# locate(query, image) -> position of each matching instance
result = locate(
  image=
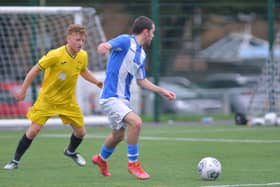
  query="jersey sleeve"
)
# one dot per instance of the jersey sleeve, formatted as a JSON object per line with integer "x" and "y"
{"x": 120, "y": 42}
{"x": 47, "y": 60}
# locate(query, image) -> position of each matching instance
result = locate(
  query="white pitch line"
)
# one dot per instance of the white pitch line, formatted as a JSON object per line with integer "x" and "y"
{"x": 209, "y": 140}
{"x": 152, "y": 138}
{"x": 188, "y": 131}
{"x": 243, "y": 185}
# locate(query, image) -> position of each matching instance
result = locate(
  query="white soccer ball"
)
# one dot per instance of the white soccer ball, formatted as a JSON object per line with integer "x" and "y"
{"x": 209, "y": 168}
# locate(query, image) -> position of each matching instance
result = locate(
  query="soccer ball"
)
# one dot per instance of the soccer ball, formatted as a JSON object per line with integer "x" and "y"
{"x": 209, "y": 168}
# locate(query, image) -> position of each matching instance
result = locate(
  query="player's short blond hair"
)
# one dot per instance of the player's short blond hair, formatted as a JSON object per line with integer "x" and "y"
{"x": 76, "y": 28}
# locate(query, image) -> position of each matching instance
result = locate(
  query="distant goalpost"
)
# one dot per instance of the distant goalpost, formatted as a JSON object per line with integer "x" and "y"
{"x": 264, "y": 107}
{"x": 27, "y": 33}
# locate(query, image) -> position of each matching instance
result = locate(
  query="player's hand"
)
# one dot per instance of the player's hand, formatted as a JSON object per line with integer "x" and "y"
{"x": 20, "y": 95}
{"x": 99, "y": 84}
{"x": 169, "y": 94}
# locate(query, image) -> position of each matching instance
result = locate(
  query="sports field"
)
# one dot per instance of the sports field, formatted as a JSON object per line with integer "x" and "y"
{"x": 170, "y": 153}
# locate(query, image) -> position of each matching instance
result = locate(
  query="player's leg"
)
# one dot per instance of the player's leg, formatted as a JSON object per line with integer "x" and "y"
{"x": 75, "y": 119}
{"x": 38, "y": 116}
{"x": 111, "y": 142}
{"x": 134, "y": 124}
{"x": 75, "y": 140}
{"x": 23, "y": 145}
{"x": 116, "y": 109}
{"x": 76, "y": 137}
{"x": 107, "y": 149}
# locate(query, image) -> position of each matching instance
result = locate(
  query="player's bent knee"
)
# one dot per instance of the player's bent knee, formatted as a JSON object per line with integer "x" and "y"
{"x": 137, "y": 124}
{"x": 79, "y": 132}
{"x": 32, "y": 133}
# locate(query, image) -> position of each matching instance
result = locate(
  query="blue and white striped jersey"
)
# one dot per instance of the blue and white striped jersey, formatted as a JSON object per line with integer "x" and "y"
{"x": 127, "y": 60}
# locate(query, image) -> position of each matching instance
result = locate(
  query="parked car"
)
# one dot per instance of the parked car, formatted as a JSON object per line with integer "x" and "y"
{"x": 9, "y": 107}
{"x": 182, "y": 81}
{"x": 238, "y": 48}
{"x": 188, "y": 101}
{"x": 237, "y": 91}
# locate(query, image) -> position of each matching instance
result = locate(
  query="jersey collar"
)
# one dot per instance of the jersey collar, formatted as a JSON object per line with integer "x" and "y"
{"x": 70, "y": 53}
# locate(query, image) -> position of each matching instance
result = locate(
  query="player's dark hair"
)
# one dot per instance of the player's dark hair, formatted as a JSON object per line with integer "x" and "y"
{"x": 141, "y": 23}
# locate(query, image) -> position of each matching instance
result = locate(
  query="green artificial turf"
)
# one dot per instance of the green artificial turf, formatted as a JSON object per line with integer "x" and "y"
{"x": 249, "y": 156}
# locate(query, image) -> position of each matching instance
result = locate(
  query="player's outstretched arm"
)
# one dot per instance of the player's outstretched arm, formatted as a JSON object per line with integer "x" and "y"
{"x": 20, "y": 95}
{"x": 145, "y": 83}
{"x": 87, "y": 75}
{"x": 103, "y": 48}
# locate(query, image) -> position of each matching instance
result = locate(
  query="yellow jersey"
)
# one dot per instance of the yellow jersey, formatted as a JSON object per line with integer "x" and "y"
{"x": 61, "y": 71}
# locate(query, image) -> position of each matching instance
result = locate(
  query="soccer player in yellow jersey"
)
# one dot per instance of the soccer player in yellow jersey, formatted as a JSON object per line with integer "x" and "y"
{"x": 57, "y": 97}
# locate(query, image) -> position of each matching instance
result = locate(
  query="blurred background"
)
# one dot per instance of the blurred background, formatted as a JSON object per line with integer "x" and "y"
{"x": 211, "y": 53}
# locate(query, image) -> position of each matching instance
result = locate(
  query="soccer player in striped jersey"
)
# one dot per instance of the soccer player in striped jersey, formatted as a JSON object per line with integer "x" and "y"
{"x": 127, "y": 61}
{"x": 57, "y": 96}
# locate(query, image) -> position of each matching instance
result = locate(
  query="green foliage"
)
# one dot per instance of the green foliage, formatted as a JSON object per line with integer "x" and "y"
{"x": 169, "y": 153}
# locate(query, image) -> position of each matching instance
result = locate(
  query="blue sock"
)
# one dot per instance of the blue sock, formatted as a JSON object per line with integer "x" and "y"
{"x": 132, "y": 152}
{"x": 106, "y": 152}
